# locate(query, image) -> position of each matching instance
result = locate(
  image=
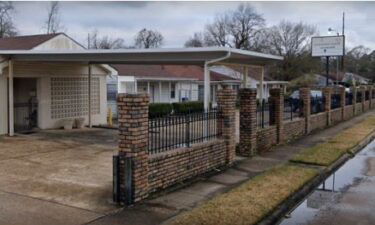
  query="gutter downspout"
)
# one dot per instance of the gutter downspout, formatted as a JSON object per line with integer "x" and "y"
{"x": 207, "y": 86}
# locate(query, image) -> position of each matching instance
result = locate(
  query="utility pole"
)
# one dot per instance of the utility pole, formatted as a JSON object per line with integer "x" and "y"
{"x": 327, "y": 70}
{"x": 343, "y": 34}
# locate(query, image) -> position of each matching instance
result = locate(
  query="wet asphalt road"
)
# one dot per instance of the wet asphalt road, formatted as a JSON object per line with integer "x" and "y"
{"x": 346, "y": 198}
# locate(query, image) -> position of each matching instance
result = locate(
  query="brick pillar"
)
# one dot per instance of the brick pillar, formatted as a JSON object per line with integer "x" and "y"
{"x": 227, "y": 107}
{"x": 277, "y": 115}
{"x": 327, "y": 93}
{"x": 305, "y": 96}
{"x": 248, "y": 122}
{"x": 342, "y": 101}
{"x": 354, "y": 93}
{"x": 133, "y": 141}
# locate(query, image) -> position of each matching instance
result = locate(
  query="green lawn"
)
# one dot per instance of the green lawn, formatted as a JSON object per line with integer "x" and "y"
{"x": 327, "y": 153}
{"x": 250, "y": 202}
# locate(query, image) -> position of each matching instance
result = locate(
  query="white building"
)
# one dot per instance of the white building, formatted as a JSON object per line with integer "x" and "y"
{"x": 46, "y": 93}
{"x": 165, "y": 83}
{"x": 253, "y": 79}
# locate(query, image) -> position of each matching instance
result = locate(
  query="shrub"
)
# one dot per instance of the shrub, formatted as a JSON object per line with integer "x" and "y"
{"x": 159, "y": 109}
{"x": 188, "y": 107}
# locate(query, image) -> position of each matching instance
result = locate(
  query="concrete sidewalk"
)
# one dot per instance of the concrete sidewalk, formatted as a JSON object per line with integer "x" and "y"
{"x": 160, "y": 209}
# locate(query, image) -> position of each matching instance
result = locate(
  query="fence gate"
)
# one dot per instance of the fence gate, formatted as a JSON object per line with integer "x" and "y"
{"x": 122, "y": 180}
{"x": 25, "y": 115}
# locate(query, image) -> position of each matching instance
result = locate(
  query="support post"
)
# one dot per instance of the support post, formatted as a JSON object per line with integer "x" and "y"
{"x": 363, "y": 91}
{"x": 133, "y": 144}
{"x": 305, "y": 96}
{"x": 169, "y": 92}
{"x": 10, "y": 98}
{"x": 277, "y": 105}
{"x": 206, "y": 87}
{"x": 160, "y": 92}
{"x": 370, "y": 88}
{"x": 261, "y": 86}
{"x": 327, "y": 70}
{"x": 245, "y": 76}
{"x": 89, "y": 93}
{"x": 327, "y": 93}
{"x": 342, "y": 102}
{"x": 227, "y": 119}
{"x": 354, "y": 100}
{"x": 248, "y": 122}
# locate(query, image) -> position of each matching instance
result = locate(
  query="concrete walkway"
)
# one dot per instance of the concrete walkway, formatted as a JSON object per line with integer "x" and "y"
{"x": 161, "y": 209}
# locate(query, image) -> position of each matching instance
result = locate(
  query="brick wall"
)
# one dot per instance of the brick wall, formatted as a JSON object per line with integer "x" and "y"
{"x": 318, "y": 121}
{"x": 336, "y": 115}
{"x": 266, "y": 138}
{"x": 367, "y": 105}
{"x": 348, "y": 112}
{"x": 358, "y": 108}
{"x": 174, "y": 166}
{"x": 294, "y": 129}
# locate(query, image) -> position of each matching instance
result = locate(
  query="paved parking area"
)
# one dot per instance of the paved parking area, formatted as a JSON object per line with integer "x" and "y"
{"x": 57, "y": 176}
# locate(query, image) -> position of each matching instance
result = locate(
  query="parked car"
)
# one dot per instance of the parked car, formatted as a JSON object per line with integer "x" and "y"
{"x": 317, "y": 101}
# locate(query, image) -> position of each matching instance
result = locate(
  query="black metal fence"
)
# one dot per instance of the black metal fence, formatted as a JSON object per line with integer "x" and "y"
{"x": 317, "y": 104}
{"x": 349, "y": 98}
{"x": 359, "y": 96}
{"x": 292, "y": 108}
{"x": 174, "y": 131}
{"x": 263, "y": 113}
{"x": 335, "y": 101}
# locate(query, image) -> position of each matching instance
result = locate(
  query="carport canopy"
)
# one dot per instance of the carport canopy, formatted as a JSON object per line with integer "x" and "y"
{"x": 173, "y": 56}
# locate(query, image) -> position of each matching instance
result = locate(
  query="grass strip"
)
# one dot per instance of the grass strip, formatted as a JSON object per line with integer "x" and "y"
{"x": 250, "y": 202}
{"x": 327, "y": 153}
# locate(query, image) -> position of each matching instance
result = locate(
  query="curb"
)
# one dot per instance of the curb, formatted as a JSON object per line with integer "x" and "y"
{"x": 298, "y": 197}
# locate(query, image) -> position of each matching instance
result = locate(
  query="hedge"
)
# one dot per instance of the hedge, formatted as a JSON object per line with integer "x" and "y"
{"x": 159, "y": 109}
{"x": 188, "y": 107}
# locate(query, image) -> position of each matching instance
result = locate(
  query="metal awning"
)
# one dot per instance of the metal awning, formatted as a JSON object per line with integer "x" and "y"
{"x": 177, "y": 56}
{"x": 183, "y": 56}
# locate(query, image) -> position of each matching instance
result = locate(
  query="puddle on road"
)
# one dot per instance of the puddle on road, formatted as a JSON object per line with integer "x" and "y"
{"x": 329, "y": 191}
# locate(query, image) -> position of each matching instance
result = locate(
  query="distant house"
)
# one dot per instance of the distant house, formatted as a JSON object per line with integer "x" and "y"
{"x": 320, "y": 80}
{"x": 165, "y": 83}
{"x": 254, "y": 77}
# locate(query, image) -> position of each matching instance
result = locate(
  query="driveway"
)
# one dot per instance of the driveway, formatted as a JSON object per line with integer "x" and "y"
{"x": 57, "y": 176}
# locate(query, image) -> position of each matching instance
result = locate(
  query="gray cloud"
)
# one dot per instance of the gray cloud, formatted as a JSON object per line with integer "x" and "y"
{"x": 179, "y": 20}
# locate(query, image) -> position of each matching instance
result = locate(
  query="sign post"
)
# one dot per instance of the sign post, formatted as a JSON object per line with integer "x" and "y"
{"x": 326, "y": 46}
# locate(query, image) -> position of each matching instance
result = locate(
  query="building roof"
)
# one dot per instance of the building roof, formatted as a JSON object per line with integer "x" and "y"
{"x": 25, "y": 42}
{"x": 166, "y": 56}
{"x": 188, "y": 72}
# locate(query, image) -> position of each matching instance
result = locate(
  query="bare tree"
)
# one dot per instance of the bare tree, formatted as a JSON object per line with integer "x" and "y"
{"x": 195, "y": 41}
{"x": 244, "y": 23}
{"x": 292, "y": 40}
{"x": 7, "y": 28}
{"x": 53, "y": 24}
{"x": 148, "y": 39}
{"x": 235, "y": 29}
{"x": 94, "y": 41}
{"x": 217, "y": 33}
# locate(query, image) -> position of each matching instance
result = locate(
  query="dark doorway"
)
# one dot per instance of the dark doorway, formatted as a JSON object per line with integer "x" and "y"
{"x": 25, "y": 105}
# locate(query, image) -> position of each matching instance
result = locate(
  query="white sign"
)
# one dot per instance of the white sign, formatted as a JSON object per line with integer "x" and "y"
{"x": 327, "y": 46}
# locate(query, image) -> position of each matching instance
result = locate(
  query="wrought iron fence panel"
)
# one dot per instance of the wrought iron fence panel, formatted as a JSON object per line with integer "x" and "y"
{"x": 175, "y": 131}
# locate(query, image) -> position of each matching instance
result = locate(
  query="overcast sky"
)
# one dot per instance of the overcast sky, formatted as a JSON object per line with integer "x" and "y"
{"x": 179, "y": 20}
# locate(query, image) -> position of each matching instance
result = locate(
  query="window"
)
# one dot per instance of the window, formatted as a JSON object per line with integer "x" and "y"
{"x": 173, "y": 90}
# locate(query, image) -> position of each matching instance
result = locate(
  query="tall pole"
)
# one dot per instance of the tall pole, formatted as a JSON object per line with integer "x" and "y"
{"x": 10, "y": 98}
{"x": 343, "y": 34}
{"x": 327, "y": 70}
